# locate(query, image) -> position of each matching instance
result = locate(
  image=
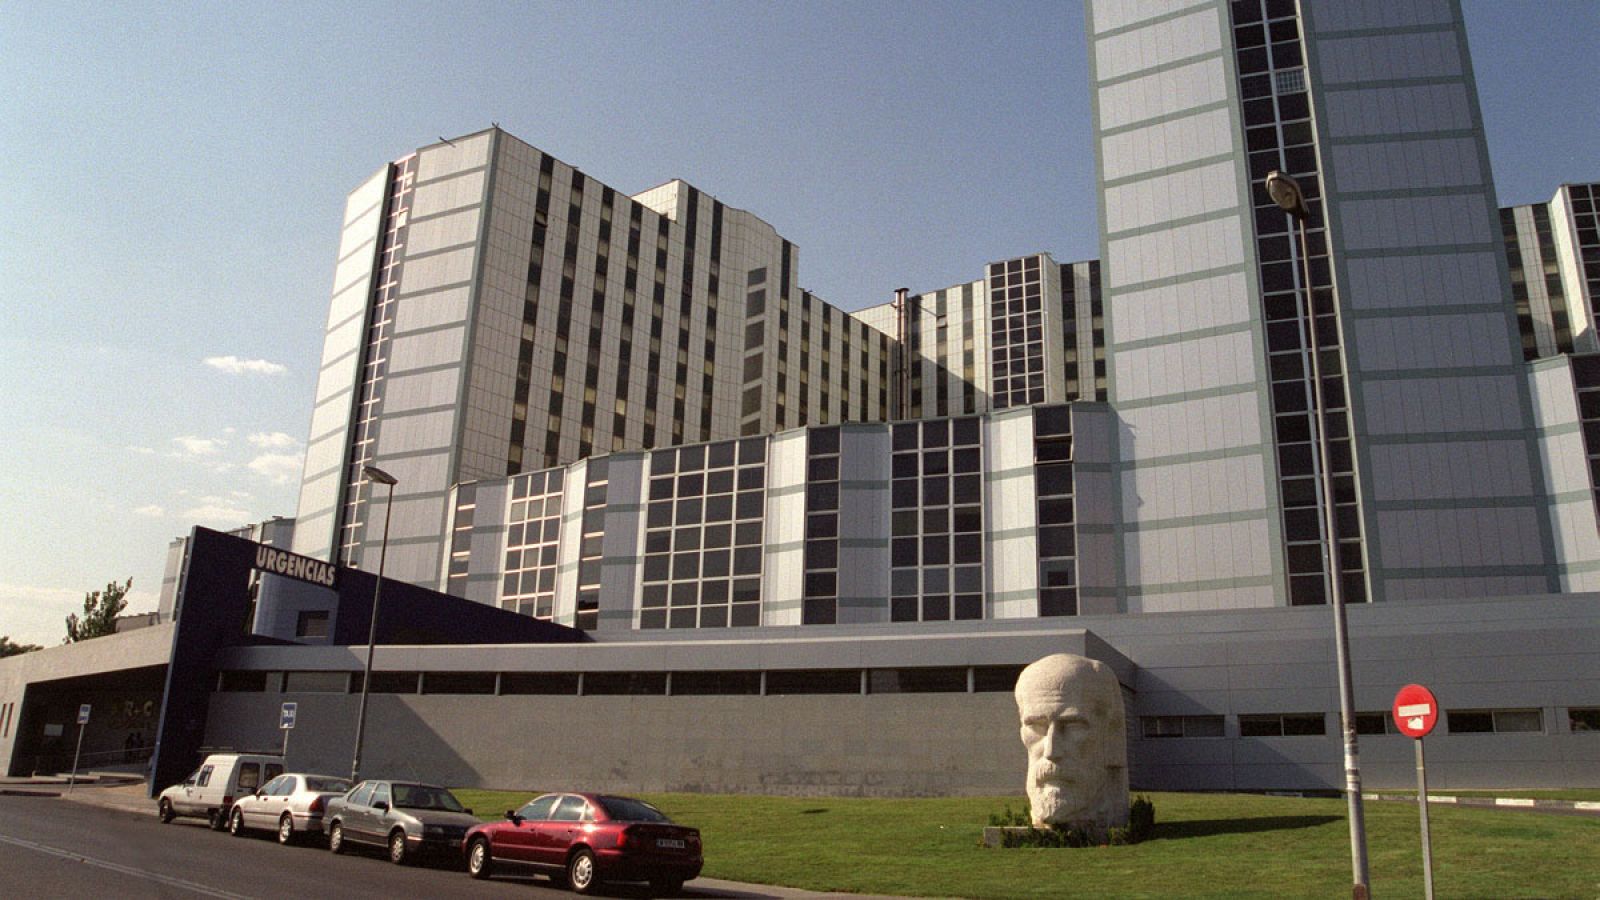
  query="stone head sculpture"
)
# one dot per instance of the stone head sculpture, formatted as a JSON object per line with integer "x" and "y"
{"x": 1072, "y": 726}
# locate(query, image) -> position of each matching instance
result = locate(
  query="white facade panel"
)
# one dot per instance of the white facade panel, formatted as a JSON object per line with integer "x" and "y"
{"x": 1110, "y": 15}
{"x": 419, "y": 311}
{"x": 407, "y": 392}
{"x": 1433, "y": 342}
{"x": 1178, "y": 308}
{"x": 1159, "y": 44}
{"x": 1179, "y": 367}
{"x": 1357, "y": 15}
{"x": 351, "y": 301}
{"x": 443, "y": 196}
{"x": 1200, "y": 488}
{"x": 1191, "y": 192}
{"x": 1401, "y": 165}
{"x": 1195, "y": 601}
{"x": 447, "y": 159}
{"x": 425, "y": 350}
{"x": 1169, "y": 143}
{"x": 1198, "y": 553}
{"x": 1389, "y": 57}
{"x": 1163, "y": 93}
{"x": 1199, "y": 425}
{"x": 1398, "y": 110}
{"x": 429, "y": 272}
{"x": 1437, "y": 405}
{"x": 450, "y": 230}
{"x": 1453, "y": 538}
{"x": 1386, "y": 224}
{"x": 1453, "y": 470}
{"x": 1393, "y": 282}
{"x": 365, "y": 197}
{"x": 1175, "y": 251}
{"x": 408, "y": 434}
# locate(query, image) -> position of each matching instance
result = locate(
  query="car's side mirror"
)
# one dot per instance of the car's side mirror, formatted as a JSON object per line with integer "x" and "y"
{"x": 381, "y": 806}
{"x": 511, "y": 815}
{"x": 468, "y": 810}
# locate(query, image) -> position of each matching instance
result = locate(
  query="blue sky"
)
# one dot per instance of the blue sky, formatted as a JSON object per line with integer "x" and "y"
{"x": 174, "y": 175}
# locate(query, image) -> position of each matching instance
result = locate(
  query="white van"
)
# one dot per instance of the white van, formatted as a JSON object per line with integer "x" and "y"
{"x": 209, "y": 792}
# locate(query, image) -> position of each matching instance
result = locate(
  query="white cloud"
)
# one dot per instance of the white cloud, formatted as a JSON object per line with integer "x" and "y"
{"x": 275, "y": 440}
{"x": 216, "y": 511}
{"x": 153, "y": 511}
{"x": 233, "y": 365}
{"x": 142, "y": 451}
{"x": 198, "y": 446}
{"x": 280, "y": 468}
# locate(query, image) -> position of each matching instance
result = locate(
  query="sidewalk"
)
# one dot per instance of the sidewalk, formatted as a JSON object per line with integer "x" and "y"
{"x": 114, "y": 791}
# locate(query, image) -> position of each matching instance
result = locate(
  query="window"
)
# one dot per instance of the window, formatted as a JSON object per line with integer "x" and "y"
{"x": 995, "y": 679}
{"x": 316, "y": 682}
{"x": 204, "y": 777}
{"x": 715, "y": 683}
{"x": 613, "y": 683}
{"x": 458, "y": 683}
{"x": 917, "y": 681}
{"x": 1494, "y": 721}
{"x": 311, "y": 623}
{"x": 814, "y": 681}
{"x": 1181, "y": 726}
{"x": 1376, "y": 723}
{"x": 1584, "y": 719}
{"x": 243, "y": 682}
{"x": 571, "y": 809}
{"x": 540, "y": 809}
{"x": 539, "y": 683}
{"x": 249, "y": 777}
{"x": 1283, "y": 725}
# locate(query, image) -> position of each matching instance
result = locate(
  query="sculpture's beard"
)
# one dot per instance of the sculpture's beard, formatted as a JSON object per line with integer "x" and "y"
{"x": 1058, "y": 798}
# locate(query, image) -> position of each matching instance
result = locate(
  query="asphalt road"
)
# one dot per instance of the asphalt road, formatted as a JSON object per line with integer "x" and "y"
{"x": 56, "y": 848}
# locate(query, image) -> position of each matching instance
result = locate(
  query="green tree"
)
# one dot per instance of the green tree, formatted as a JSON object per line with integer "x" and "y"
{"x": 100, "y": 611}
{"x": 8, "y": 648}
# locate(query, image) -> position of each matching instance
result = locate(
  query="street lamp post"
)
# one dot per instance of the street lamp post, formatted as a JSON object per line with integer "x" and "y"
{"x": 373, "y": 474}
{"x": 1285, "y": 192}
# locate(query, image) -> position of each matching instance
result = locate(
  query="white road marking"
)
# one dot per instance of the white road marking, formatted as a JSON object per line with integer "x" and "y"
{"x": 119, "y": 868}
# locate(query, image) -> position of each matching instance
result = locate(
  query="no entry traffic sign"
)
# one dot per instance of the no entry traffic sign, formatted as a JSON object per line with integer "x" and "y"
{"x": 1415, "y": 711}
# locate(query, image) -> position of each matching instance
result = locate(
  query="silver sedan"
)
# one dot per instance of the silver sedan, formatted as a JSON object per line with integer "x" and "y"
{"x": 291, "y": 804}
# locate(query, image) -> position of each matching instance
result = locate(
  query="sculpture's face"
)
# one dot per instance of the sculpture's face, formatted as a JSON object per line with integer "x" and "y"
{"x": 1066, "y": 720}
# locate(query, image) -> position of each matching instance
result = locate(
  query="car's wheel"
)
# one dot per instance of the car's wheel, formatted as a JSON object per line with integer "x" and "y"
{"x": 336, "y": 838}
{"x": 479, "y": 863}
{"x": 397, "y": 848}
{"x": 668, "y": 887}
{"x": 286, "y": 829}
{"x": 164, "y": 810}
{"x": 236, "y": 823}
{"x": 216, "y": 820}
{"x": 580, "y": 872}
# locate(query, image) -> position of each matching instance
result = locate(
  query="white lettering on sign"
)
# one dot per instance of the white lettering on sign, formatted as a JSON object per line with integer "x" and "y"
{"x": 1414, "y": 709}
{"x": 293, "y": 565}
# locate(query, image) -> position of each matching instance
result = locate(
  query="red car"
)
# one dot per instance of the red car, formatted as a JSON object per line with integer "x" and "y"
{"x": 584, "y": 839}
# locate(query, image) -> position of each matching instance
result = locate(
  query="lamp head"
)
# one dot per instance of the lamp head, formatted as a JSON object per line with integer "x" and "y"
{"x": 1285, "y": 192}
{"x": 374, "y": 473}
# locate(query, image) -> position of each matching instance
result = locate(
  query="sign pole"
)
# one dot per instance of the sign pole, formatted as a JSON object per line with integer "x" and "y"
{"x": 83, "y": 724}
{"x": 1415, "y": 712}
{"x": 1422, "y": 806}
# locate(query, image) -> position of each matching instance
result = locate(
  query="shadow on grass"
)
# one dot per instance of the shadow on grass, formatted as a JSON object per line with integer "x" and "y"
{"x": 1209, "y": 827}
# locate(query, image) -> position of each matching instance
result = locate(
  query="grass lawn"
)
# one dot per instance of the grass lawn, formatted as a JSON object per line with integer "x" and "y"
{"x": 1205, "y": 845}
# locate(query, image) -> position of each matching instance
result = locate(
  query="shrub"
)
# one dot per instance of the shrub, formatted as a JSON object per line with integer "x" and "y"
{"x": 1141, "y": 824}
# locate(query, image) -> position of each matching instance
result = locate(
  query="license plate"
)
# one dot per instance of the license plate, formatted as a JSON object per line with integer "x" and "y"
{"x": 669, "y": 843}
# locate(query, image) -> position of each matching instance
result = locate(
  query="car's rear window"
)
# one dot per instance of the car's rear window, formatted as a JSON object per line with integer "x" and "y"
{"x": 625, "y": 809}
{"x": 318, "y": 783}
{"x": 421, "y": 796}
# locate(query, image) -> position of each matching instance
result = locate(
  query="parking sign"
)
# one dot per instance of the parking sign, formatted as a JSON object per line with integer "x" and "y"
{"x": 286, "y": 717}
{"x": 83, "y": 714}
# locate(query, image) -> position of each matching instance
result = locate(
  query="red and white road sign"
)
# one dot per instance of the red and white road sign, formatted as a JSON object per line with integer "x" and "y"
{"x": 1415, "y": 710}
